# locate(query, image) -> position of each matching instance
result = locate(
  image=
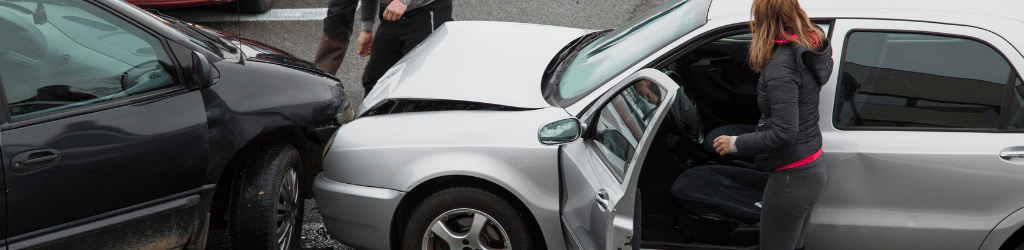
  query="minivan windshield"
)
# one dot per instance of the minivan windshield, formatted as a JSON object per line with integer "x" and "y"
{"x": 611, "y": 54}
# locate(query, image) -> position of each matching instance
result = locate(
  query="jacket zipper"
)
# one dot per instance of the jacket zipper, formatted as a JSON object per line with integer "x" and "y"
{"x": 432, "y": 22}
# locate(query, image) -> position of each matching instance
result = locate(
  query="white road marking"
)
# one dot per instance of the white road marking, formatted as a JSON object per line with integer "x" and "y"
{"x": 272, "y": 15}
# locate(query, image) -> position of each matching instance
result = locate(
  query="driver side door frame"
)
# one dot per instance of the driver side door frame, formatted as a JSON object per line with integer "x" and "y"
{"x": 597, "y": 206}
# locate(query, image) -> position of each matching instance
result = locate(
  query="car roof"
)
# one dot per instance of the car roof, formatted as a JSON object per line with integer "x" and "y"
{"x": 885, "y": 9}
{"x": 1002, "y": 17}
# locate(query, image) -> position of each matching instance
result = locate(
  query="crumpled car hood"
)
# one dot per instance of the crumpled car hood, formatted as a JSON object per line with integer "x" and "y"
{"x": 476, "y": 61}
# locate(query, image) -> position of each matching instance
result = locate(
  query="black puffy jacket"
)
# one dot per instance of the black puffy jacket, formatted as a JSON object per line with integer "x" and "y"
{"x": 787, "y": 94}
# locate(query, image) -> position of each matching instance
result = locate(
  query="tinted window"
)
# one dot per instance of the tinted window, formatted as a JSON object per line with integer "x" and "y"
{"x": 919, "y": 81}
{"x": 622, "y": 123}
{"x": 55, "y": 56}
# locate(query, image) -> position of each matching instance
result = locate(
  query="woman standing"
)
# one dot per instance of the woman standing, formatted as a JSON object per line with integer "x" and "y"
{"x": 794, "y": 59}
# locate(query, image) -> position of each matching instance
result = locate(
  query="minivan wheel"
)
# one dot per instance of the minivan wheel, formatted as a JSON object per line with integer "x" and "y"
{"x": 266, "y": 206}
{"x": 466, "y": 218}
{"x": 255, "y": 6}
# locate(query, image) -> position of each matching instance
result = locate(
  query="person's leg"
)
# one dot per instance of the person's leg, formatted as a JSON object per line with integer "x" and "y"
{"x": 731, "y": 130}
{"x": 786, "y": 205}
{"x": 820, "y": 172}
{"x": 417, "y": 27}
{"x": 384, "y": 53}
{"x": 336, "y": 34}
{"x": 330, "y": 54}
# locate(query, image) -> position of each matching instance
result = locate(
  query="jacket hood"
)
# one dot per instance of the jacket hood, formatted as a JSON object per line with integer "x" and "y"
{"x": 818, "y": 62}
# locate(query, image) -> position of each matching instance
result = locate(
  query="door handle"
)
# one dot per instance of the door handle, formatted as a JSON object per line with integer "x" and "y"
{"x": 602, "y": 199}
{"x": 1006, "y": 155}
{"x": 29, "y": 161}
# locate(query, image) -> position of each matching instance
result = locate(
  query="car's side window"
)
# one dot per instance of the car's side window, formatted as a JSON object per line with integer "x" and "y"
{"x": 60, "y": 56}
{"x": 919, "y": 81}
{"x": 622, "y": 122}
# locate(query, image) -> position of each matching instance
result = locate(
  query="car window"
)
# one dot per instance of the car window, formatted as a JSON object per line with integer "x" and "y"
{"x": 622, "y": 123}
{"x": 60, "y": 55}
{"x": 610, "y": 55}
{"x": 906, "y": 80}
{"x": 746, "y": 37}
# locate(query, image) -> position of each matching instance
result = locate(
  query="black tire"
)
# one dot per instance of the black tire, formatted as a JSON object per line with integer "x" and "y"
{"x": 457, "y": 208}
{"x": 267, "y": 179}
{"x": 255, "y": 6}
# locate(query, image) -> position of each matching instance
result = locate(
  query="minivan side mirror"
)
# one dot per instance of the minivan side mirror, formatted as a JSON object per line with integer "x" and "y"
{"x": 202, "y": 71}
{"x": 560, "y": 131}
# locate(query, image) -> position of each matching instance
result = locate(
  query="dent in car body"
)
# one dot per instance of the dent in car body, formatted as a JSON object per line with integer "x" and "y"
{"x": 499, "y": 63}
{"x": 256, "y": 98}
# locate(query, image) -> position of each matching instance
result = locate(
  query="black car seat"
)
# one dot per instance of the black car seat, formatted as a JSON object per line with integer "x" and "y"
{"x": 720, "y": 203}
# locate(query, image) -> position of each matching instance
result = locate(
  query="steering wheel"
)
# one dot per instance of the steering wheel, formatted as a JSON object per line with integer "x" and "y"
{"x": 684, "y": 109}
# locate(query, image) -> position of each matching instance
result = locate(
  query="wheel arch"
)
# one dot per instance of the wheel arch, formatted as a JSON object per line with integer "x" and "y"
{"x": 304, "y": 140}
{"x": 1007, "y": 234}
{"x": 420, "y": 191}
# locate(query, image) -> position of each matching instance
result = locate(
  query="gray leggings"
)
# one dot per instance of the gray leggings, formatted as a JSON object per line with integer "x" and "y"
{"x": 788, "y": 200}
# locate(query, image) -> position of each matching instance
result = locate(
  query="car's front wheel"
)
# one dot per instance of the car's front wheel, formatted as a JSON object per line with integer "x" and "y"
{"x": 466, "y": 218}
{"x": 266, "y": 205}
{"x": 255, "y": 6}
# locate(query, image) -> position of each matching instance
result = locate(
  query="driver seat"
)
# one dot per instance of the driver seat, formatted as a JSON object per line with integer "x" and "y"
{"x": 720, "y": 204}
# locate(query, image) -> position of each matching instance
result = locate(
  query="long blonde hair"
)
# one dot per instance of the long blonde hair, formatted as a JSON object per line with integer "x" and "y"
{"x": 771, "y": 20}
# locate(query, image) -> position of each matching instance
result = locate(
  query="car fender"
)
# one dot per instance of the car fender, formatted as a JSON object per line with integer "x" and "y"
{"x": 1003, "y": 230}
{"x": 253, "y": 99}
{"x": 402, "y": 151}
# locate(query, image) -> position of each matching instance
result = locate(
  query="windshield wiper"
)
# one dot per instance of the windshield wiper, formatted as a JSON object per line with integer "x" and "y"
{"x": 553, "y": 73}
{"x": 214, "y": 38}
{"x": 210, "y": 38}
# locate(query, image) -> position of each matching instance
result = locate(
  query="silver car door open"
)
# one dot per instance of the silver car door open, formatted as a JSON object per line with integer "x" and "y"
{"x": 600, "y": 170}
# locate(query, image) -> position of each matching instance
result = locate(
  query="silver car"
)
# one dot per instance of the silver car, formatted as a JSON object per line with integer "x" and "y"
{"x": 495, "y": 135}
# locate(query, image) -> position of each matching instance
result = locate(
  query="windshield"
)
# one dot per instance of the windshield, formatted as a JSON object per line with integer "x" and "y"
{"x": 182, "y": 29}
{"x": 610, "y": 55}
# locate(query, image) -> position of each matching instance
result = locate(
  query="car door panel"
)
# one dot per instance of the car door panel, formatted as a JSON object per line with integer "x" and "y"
{"x": 913, "y": 188}
{"x": 102, "y": 141}
{"x": 598, "y": 203}
{"x": 109, "y": 160}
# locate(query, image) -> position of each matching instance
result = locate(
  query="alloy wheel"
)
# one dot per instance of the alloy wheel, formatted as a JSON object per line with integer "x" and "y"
{"x": 287, "y": 204}
{"x": 465, "y": 229}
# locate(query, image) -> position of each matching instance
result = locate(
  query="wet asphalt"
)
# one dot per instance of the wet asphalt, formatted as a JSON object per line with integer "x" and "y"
{"x": 292, "y": 27}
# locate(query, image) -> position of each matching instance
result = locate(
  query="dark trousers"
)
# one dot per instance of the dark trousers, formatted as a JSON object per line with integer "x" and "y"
{"x": 787, "y": 203}
{"x": 394, "y": 39}
{"x": 337, "y": 31}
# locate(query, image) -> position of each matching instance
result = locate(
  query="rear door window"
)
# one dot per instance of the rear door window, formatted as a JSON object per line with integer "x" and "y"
{"x": 909, "y": 80}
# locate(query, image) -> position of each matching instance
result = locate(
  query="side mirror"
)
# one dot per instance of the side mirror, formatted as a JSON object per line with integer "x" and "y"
{"x": 561, "y": 131}
{"x": 202, "y": 71}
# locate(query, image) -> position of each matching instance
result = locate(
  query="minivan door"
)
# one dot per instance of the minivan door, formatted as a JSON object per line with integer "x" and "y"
{"x": 600, "y": 170}
{"x": 105, "y": 146}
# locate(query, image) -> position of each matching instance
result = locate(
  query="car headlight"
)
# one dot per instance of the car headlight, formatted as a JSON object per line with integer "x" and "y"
{"x": 346, "y": 113}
